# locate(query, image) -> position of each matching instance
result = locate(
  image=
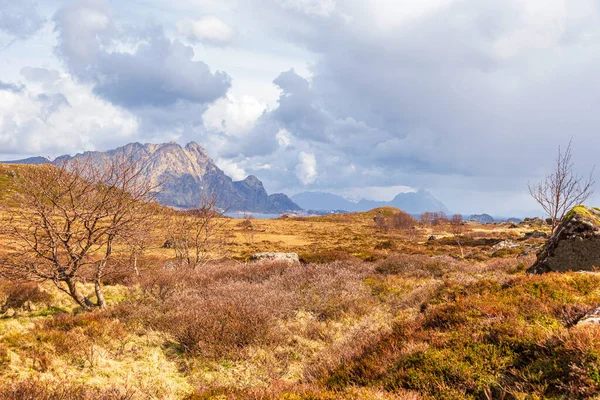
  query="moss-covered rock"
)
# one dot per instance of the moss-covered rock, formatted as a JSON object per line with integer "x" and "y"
{"x": 574, "y": 245}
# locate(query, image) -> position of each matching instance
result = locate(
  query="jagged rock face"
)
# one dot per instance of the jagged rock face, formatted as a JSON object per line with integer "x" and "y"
{"x": 574, "y": 245}
{"x": 187, "y": 175}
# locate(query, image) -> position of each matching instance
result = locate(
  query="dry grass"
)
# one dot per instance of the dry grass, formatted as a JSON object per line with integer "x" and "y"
{"x": 373, "y": 312}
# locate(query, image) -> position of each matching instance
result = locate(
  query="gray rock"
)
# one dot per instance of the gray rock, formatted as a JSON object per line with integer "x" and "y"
{"x": 529, "y": 250}
{"x": 536, "y": 235}
{"x": 591, "y": 318}
{"x": 533, "y": 222}
{"x": 574, "y": 245}
{"x": 270, "y": 256}
{"x": 506, "y": 244}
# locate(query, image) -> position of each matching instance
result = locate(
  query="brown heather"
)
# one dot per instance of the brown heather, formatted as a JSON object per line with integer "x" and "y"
{"x": 373, "y": 312}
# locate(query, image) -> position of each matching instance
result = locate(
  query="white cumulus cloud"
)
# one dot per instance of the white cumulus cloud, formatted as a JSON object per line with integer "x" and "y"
{"x": 306, "y": 170}
{"x": 208, "y": 29}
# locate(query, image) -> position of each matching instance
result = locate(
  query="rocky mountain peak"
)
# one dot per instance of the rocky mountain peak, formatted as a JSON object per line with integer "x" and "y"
{"x": 188, "y": 175}
{"x": 252, "y": 181}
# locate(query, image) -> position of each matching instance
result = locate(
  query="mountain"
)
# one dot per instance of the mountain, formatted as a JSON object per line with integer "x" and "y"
{"x": 481, "y": 218}
{"x": 412, "y": 203}
{"x": 188, "y": 174}
{"x": 30, "y": 160}
{"x": 319, "y": 201}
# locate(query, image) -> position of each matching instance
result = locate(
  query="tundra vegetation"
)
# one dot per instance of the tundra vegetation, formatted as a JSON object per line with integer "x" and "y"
{"x": 374, "y": 310}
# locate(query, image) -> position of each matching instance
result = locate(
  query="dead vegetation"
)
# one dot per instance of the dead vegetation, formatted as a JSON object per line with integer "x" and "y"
{"x": 375, "y": 310}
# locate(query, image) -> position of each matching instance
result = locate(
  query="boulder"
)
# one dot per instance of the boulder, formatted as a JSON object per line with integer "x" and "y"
{"x": 288, "y": 257}
{"x": 574, "y": 245}
{"x": 591, "y": 318}
{"x": 431, "y": 238}
{"x": 505, "y": 244}
{"x": 533, "y": 222}
{"x": 536, "y": 235}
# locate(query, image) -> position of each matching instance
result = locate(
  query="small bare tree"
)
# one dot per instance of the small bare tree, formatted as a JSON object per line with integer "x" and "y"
{"x": 457, "y": 228}
{"x": 196, "y": 235}
{"x": 563, "y": 189}
{"x": 72, "y": 219}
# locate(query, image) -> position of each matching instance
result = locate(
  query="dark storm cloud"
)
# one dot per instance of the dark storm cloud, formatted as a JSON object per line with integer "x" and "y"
{"x": 482, "y": 91}
{"x": 20, "y": 18}
{"x": 160, "y": 72}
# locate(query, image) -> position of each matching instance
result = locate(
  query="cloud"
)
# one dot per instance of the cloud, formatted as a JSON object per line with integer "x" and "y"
{"x": 439, "y": 93}
{"x": 20, "y": 19}
{"x": 155, "y": 72}
{"x": 63, "y": 117}
{"x": 232, "y": 169}
{"x": 232, "y": 115}
{"x": 319, "y": 8}
{"x": 208, "y": 29}
{"x": 11, "y": 87}
{"x": 306, "y": 170}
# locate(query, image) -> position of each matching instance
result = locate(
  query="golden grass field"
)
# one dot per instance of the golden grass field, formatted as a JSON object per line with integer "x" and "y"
{"x": 370, "y": 313}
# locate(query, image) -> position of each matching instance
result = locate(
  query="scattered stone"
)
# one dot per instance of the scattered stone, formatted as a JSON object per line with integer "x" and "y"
{"x": 431, "y": 238}
{"x": 513, "y": 225}
{"x": 529, "y": 250}
{"x": 533, "y": 222}
{"x": 574, "y": 245}
{"x": 506, "y": 244}
{"x": 536, "y": 235}
{"x": 591, "y": 318}
{"x": 289, "y": 257}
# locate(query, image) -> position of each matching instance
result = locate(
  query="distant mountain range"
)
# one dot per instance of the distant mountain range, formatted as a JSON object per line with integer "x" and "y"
{"x": 189, "y": 174}
{"x": 412, "y": 203}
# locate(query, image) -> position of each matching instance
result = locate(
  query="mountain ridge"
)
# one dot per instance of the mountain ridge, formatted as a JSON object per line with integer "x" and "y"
{"x": 188, "y": 174}
{"x": 412, "y": 202}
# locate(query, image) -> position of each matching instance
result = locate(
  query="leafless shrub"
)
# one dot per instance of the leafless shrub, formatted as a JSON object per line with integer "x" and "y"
{"x": 457, "y": 228}
{"x": 563, "y": 189}
{"x": 16, "y": 295}
{"x": 196, "y": 236}
{"x": 433, "y": 218}
{"x": 397, "y": 221}
{"x": 72, "y": 218}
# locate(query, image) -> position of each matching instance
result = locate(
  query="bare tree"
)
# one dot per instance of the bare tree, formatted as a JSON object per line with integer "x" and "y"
{"x": 72, "y": 220}
{"x": 563, "y": 189}
{"x": 196, "y": 235}
{"x": 457, "y": 228}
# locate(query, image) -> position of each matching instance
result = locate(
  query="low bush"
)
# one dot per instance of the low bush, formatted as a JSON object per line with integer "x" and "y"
{"x": 18, "y": 295}
{"x": 34, "y": 389}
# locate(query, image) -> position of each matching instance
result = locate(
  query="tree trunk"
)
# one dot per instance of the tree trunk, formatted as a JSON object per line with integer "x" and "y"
{"x": 101, "y": 302}
{"x": 79, "y": 298}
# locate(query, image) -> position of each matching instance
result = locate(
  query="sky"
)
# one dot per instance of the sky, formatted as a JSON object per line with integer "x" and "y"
{"x": 469, "y": 99}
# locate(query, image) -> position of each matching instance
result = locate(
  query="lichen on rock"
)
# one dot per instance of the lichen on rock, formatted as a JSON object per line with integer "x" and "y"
{"x": 574, "y": 245}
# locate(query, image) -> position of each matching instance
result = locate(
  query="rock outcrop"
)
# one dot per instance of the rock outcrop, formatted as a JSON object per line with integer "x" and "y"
{"x": 288, "y": 257}
{"x": 574, "y": 245}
